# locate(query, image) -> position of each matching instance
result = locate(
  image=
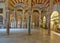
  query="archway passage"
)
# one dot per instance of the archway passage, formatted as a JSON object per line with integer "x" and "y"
{"x": 54, "y": 20}
{"x": 44, "y": 22}
{"x": 19, "y": 20}
{"x": 35, "y": 19}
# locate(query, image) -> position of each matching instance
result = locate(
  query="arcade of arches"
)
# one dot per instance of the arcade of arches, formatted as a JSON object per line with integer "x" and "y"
{"x": 30, "y": 14}
{"x": 21, "y": 14}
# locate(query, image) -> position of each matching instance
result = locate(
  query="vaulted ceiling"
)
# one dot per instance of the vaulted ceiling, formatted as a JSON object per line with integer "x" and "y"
{"x": 33, "y": 2}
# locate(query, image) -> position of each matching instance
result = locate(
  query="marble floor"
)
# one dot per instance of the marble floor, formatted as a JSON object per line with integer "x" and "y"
{"x": 21, "y": 36}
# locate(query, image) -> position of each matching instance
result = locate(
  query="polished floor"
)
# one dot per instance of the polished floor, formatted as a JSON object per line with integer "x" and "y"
{"x": 21, "y": 36}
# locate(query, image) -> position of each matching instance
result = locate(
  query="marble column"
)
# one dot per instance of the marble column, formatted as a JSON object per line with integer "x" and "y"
{"x": 59, "y": 18}
{"x": 42, "y": 21}
{"x": 48, "y": 23}
{"x": 6, "y": 7}
{"x": 58, "y": 12}
{"x": 32, "y": 24}
{"x": 8, "y": 22}
{"x": 23, "y": 19}
{"x": 39, "y": 19}
{"x": 50, "y": 12}
{"x": 15, "y": 13}
{"x": 49, "y": 30}
{"x": 29, "y": 23}
{"x": 29, "y": 17}
{"x": 15, "y": 18}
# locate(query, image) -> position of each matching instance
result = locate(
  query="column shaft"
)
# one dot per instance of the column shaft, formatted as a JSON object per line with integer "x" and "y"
{"x": 8, "y": 22}
{"x": 48, "y": 24}
{"x": 29, "y": 17}
{"x": 40, "y": 19}
{"x": 29, "y": 22}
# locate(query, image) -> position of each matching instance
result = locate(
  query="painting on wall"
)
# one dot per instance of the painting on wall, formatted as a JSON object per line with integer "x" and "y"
{"x": 1, "y": 10}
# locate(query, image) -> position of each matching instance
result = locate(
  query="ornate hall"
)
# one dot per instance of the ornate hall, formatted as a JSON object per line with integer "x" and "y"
{"x": 29, "y": 21}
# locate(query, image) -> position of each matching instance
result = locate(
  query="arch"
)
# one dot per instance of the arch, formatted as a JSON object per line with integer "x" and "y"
{"x": 19, "y": 10}
{"x": 35, "y": 18}
{"x": 21, "y": 5}
{"x": 54, "y": 13}
{"x": 36, "y": 11}
{"x": 54, "y": 20}
{"x": 19, "y": 14}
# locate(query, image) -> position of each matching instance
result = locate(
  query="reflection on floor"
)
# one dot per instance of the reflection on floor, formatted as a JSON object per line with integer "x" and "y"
{"x": 21, "y": 36}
